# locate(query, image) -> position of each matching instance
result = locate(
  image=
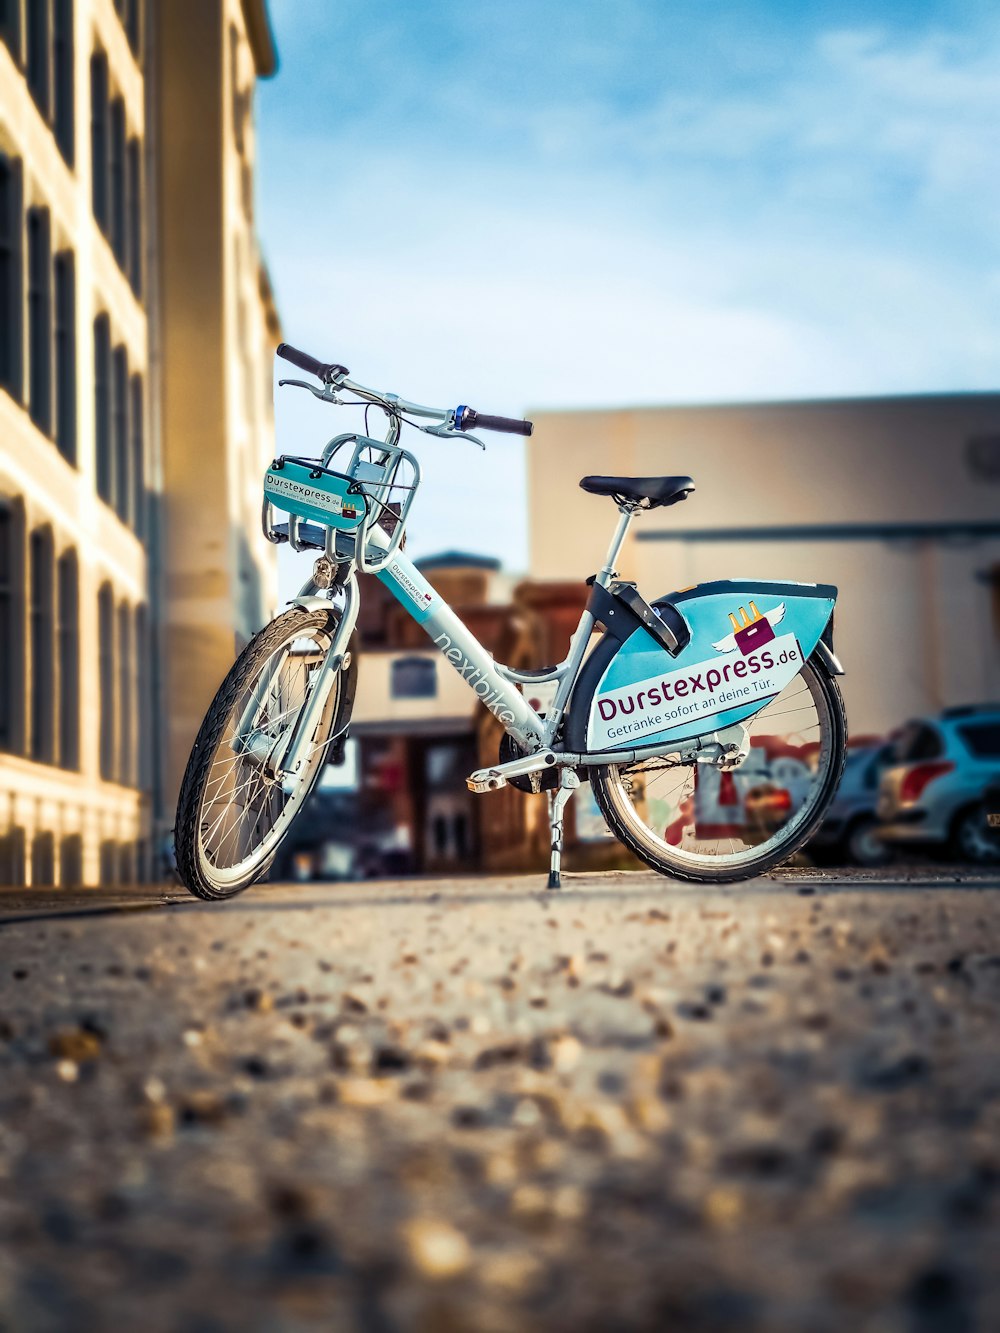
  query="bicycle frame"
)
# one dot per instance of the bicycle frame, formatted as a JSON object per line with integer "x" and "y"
{"x": 492, "y": 682}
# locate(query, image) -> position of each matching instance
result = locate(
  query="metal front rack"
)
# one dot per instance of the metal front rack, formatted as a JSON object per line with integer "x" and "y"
{"x": 386, "y": 476}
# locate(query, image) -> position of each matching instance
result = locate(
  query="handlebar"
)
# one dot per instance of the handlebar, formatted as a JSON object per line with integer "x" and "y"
{"x": 327, "y": 371}
{"x": 467, "y": 418}
{"x": 462, "y": 418}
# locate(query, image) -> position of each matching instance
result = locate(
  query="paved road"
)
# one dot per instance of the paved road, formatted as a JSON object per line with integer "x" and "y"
{"x": 477, "y": 1106}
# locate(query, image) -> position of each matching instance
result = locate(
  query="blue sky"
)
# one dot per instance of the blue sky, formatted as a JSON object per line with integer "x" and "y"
{"x": 529, "y": 205}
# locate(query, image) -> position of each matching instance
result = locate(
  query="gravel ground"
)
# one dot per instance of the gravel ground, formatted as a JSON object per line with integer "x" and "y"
{"x": 476, "y": 1106}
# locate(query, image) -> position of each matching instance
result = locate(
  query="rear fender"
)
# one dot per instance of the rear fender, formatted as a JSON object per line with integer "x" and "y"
{"x": 747, "y": 641}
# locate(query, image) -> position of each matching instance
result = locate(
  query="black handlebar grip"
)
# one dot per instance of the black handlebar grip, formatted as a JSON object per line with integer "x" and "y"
{"x": 323, "y": 370}
{"x": 473, "y": 420}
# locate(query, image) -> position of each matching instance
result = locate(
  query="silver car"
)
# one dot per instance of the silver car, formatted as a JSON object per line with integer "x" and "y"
{"x": 932, "y": 793}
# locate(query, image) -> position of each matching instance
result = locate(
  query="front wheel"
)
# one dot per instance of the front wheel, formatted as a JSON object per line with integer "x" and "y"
{"x": 235, "y": 806}
{"x": 694, "y": 822}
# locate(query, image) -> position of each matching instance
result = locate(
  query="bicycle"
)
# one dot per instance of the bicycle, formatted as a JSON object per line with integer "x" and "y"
{"x": 708, "y": 722}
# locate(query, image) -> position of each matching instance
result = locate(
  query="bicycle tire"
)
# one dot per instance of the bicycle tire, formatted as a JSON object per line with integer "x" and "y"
{"x": 243, "y": 675}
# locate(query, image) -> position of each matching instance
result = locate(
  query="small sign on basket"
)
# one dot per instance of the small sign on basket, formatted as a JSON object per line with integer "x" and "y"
{"x": 315, "y": 493}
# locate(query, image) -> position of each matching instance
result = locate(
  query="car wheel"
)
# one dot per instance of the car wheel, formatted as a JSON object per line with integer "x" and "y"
{"x": 865, "y": 847}
{"x": 972, "y": 840}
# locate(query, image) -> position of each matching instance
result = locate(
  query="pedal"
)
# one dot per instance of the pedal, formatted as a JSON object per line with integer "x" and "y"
{"x": 484, "y": 780}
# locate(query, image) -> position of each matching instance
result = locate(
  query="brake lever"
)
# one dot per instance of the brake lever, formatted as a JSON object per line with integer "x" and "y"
{"x": 444, "y": 432}
{"x": 328, "y": 394}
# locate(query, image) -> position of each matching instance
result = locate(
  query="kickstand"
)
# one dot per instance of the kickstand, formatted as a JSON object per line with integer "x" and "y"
{"x": 568, "y": 783}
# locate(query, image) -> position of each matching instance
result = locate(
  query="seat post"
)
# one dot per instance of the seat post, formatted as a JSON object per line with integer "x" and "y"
{"x": 627, "y": 512}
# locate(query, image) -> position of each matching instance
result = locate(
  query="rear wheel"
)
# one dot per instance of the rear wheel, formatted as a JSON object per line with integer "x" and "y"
{"x": 694, "y": 822}
{"x": 234, "y": 808}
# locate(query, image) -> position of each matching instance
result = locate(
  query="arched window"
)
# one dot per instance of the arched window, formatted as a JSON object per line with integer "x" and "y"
{"x": 117, "y": 164}
{"x": 102, "y": 408}
{"x": 62, "y": 68}
{"x": 43, "y": 859}
{"x": 12, "y": 857}
{"x": 143, "y": 698}
{"x": 71, "y": 861}
{"x": 99, "y": 137}
{"x": 40, "y": 319}
{"x": 68, "y": 654}
{"x": 106, "y": 672}
{"x": 12, "y": 626}
{"x": 133, "y": 205}
{"x": 121, "y": 489}
{"x": 11, "y": 277}
{"x": 138, "y": 457}
{"x": 40, "y": 583}
{"x": 126, "y": 695}
{"x": 65, "y": 310}
{"x": 37, "y": 60}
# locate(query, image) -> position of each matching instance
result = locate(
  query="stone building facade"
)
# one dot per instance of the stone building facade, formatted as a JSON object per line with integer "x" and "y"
{"x": 95, "y": 455}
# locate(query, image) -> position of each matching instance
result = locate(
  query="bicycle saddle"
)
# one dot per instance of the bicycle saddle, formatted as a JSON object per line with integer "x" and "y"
{"x": 657, "y": 490}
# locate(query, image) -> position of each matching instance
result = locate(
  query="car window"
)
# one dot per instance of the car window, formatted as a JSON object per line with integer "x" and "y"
{"x": 981, "y": 739}
{"x": 917, "y": 740}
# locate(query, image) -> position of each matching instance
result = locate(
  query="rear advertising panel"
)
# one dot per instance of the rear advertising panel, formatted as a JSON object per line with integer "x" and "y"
{"x": 748, "y": 641}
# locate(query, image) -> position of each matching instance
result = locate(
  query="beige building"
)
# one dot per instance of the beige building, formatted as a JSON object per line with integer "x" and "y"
{"x": 895, "y": 500}
{"x": 219, "y": 332}
{"x": 93, "y": 444}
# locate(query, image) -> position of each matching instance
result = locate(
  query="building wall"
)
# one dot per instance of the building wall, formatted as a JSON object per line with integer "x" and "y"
{"x": 102, "y": 493}
{"x": 219, "y": 328}
{"x": 879, "y": 496}
{"x": 54, "y": 787}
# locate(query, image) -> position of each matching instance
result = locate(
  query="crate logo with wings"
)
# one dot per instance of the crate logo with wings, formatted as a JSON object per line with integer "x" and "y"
{"x": 750, "y": 631}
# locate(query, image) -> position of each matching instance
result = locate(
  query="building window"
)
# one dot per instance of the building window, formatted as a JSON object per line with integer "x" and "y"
{"x": 133, "y": 182}
{"x": 12, "y": 860}
{"x": 126, "y": 692}
{"x": 10, "y": 27}
{"x": 121, "y": 489}
{"x": 117, "y": 161}
{"x": 11, "y": 289}
{"x": 99, "y": 137}
{"x": 138, "y": 458}
{"x": 109, "y": 862}
{"x": 62, "y": 60}
{"x": 106, "y": 672}
{"x": 71, "y": 861}
{"x": 144, "y": 697}
{"x": 38, "y": 36}
{"x": 40, "y": 319}
{"x": 42, "y": 673}
{"x": 43, "y": 859}
{"x": 413, "y": 678}
{"x": 11, "y": 621}
{"x": 66, "y": 355}
{"x": 68, "y": 636}
{"x": 102, "y": 407}
{"x": 131, "y": 19}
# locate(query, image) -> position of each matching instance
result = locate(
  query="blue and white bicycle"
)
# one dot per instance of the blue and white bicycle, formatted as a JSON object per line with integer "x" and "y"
{"x": 709, "y": 722}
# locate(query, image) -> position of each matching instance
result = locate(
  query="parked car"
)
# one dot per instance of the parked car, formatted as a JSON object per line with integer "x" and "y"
{"x": 850, "y": 831}
{"x": 933, "y": 792}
